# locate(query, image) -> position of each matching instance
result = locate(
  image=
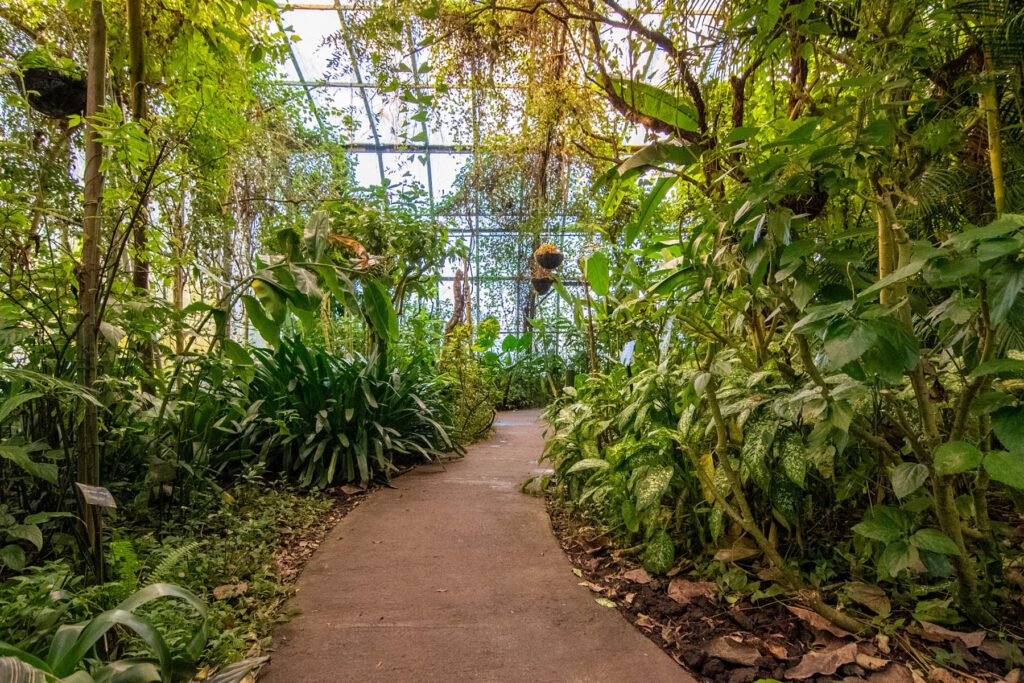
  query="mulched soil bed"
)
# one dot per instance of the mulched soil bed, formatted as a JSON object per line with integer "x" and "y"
{"x": 298, "y": 548}
{"x": 743, "y": 641}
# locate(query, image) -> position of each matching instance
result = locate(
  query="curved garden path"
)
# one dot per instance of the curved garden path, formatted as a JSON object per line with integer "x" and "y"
{"x": 454, "y": 575}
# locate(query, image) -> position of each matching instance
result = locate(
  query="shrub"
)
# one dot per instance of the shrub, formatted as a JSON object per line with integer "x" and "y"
{"x": 323, "y": 419}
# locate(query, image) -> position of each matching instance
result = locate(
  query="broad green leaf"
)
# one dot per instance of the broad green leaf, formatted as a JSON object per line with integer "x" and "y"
{"x": 379, "y": 310}
{"x": 898, "y": 275}
{"x": 884, "y": 523}
{"x": 19, "y": 455}
{"x": 674, "y": 110}
{"x": 671, "y": 282}
{"x": 588, "y": 464}
{"x": 12, "y": 556}
{"x": 955, "y": 457}
{"x": 271, "y": 298}
{"x": 26, "y": 532}
{"x": 306, "y": 284}
{"x": 652, "y": 201}
{"x": 1004, "y": 225}
{"x": 794, "y": 459}
{"x": 629, "y": 516}
{"x": 235, "y": 352}
{"x": 1000, "y": 366}
{"x": 740, "y": 134}
{"x": 786, "y": 497}
{"x": 660, "y": 554}
{"x": 1008, "y": 425}
{"x": 945, "y": 271}
{"x": 597, "y": 272}
{"x": 878, "y": 133}
{"x": 898, "y": 556}
{"x": 757, "y": 443}
{"x": 935, "y": 541}
{"x": 16, "y": 400}
{"x": 651, "y": 487}
{"x": 268, "y": 328}
{"x": 908, "y": 477}
{"x": 657, "y": 155}
{"x": 989, "y": 250}
{"x": 1005, "y": 284}
{"x": 98, "y": 626}
{"x": 848, "y": 341}
{"x": 1007, "y": 468}
{"x": 315, "y": 234}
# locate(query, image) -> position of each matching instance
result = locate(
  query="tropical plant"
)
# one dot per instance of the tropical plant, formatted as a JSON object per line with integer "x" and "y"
{"x": 467, "y": 390}
{"x": 72, "y": 650}
{"x": 325, "y": 419}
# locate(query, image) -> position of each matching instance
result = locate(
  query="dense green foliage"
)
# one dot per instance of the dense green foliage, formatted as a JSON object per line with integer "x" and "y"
{"x": 325, "y": 419}
{"x": 804, "y": 323}
{"x": 134, "y": 330}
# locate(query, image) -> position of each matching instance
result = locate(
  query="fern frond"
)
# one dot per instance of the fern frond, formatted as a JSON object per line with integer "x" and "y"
{"x": 170, "y": 562}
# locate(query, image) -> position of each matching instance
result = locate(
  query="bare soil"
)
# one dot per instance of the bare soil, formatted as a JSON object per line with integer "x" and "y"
{"x": 746, "y": 641}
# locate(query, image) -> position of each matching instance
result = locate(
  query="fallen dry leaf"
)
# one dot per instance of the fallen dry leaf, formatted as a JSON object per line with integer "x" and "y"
{"x": 230, "y": 590}
{"x": 938, "y": 675}
{"x": 592, "y": 586}
{"x": 644, "y": 621}
{"x": 934, "y": 632}
{"x": 629, "y": 598}
{"x": 778, "y": 651}
{"x": 998, "y": 649}
{"x": 823, "y": 662}
{"x": 683, "y": 591}
{"x": 605, "y": 602}
{"x": 882, "y": 643}
{"x": 872, "y": 597}
{"x": 638, "y": 575}
{"x": 351, "y": 490}
{"x": 818, "y": 622}
{"x": 870, "y": 663}
{"x": 894, "y": 673}
{"x": 738, "y": 551}
{"x": 733, "y": 649}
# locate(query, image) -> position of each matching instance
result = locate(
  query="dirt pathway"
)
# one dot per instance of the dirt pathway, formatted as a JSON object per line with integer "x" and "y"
{"x": 455, "y": 576}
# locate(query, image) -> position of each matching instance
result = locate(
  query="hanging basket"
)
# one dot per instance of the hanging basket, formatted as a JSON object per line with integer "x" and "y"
{"x": 53, "y": 93}
{"x": 542, "y": 285}
{"x": 548, "y": 256}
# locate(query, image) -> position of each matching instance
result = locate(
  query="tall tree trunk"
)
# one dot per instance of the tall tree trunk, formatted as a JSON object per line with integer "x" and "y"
{"x": 990, "y": 108}
{"x": 140, "y": 265}
{"x": 178, "y": 256}
{"x": 88, "y": 465}
{"x": 227, "y": 275}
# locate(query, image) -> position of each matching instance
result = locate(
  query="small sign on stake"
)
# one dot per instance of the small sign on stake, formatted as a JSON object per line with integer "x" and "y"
{"x": 96, "y": 495}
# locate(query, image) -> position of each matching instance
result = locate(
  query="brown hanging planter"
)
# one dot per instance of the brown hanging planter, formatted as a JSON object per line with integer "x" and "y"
{"x": 542, "y": 285}
{"x": 542, "y": 279}
{"x": 53, "y": 93}
{"x": 548, "y": 256}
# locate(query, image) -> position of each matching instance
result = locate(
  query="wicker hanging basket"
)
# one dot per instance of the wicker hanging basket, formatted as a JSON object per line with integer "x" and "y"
{"x": 548, "y": 256}
{"x": 542, "y": 285}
